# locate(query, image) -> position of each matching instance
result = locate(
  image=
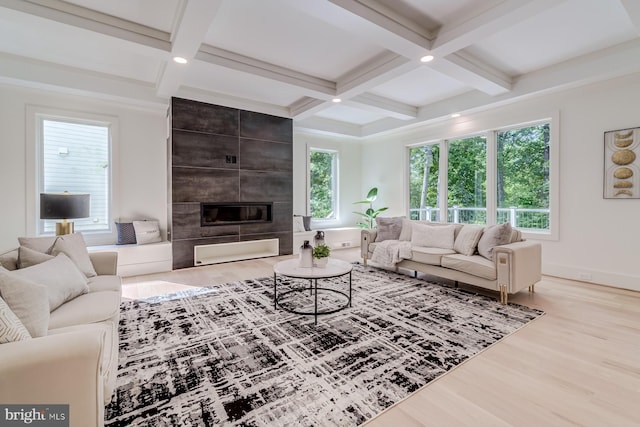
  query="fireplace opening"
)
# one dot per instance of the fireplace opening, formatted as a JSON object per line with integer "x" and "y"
{"x": 235, "y": 213}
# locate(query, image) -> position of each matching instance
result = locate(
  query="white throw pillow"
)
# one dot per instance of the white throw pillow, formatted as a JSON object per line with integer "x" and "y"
{"x": 467, "y": 240}
{"x": 405, "y": 234}
{"x": 147, "y": 232}
{"x": 28, "y": 301}
{"x": 433, "y": 236}
{"x": 73, "y": 246}
{"x": 61, "y": 278}
{"x": 11, "y": 328}
{"x": 494, "y": 235}
{"x": 298, "y": 224}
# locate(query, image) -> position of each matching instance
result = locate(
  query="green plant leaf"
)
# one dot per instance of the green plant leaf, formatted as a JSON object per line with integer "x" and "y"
{"x": 372, "y": 194}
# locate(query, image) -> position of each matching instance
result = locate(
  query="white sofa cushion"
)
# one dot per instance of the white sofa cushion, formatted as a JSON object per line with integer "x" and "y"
{"x": 105, "y": 283}
{"x": 28, "y": 301}
{"x": 431, "y": 256}
{"x": 147, "y": 232}
{"x": 467, "y": 240}
{"x": 60, "y": 276}
{"x": 11, "y": 328}
{"x": 93, "y": 307}
{"x": 433, "y": 236}
{"x": 475, "y": 265}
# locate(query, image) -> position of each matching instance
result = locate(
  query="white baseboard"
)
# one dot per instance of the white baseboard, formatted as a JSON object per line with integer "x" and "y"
{"x": 606, "y": 278}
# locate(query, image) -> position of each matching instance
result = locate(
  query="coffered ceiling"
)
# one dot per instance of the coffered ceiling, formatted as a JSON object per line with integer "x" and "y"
{"x": 291, "y": 58}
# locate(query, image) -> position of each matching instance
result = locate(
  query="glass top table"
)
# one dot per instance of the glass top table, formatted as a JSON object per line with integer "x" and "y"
{"x": 291, "y": 268}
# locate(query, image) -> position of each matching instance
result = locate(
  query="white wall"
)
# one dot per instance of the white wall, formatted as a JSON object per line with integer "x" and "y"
{"x": 598, "y": 238}
{"x": 349, "y": 174}
{"x": 141, "y": 158}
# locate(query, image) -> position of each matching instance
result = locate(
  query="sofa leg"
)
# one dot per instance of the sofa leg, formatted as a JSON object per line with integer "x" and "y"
{"x": 415, "y": 273}
{"x": 364, "y": 261}
{"x": 532, "y": 288}
{"x": 503, "y": 294}
{"x": 456, "y": 284}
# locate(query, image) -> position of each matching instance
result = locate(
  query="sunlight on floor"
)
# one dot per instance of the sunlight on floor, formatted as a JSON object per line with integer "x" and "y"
{"x": 152, "y": 288}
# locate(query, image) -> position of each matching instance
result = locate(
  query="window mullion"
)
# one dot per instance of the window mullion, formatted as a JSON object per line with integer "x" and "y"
{"x": 492, "y": 176}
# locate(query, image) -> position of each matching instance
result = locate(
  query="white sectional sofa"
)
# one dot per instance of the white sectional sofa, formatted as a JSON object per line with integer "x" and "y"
{"x": 68, "y": 355}
{"x": 493, "y": 257}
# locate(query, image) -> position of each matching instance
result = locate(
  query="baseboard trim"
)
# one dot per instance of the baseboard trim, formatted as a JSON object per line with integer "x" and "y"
{"x": 605, "y": 278}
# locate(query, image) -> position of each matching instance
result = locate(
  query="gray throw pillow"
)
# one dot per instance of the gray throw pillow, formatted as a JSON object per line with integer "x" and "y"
{"x": 494, "y": 235}
{"x": 126, "y": 233}
{"x": 28, "y": 257}
{"x": 60, "y": 277}
{"x": 73, "y": 246}
{"x": 28, "y": 301}
{"x": 388, "y": 228}
{"x": 40, "y": 244}
{"x": 9, "y": 260}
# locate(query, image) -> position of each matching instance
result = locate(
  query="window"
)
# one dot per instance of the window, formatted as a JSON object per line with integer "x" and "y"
{"x": 467, "y": 173}
{"x": 74, "y": 155}
{"x": 424, "y": 182}
{"x": 323, "y": 177}
{"x": 522, "y": 183}
{"x": 502, "y": 176}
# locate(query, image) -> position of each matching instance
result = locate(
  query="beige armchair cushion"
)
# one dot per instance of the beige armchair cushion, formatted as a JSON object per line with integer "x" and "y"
{"x": 28, "y": 301}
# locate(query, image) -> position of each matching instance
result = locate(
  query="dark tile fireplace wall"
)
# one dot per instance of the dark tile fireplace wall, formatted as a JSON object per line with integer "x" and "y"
{"x": 219, "y": 154}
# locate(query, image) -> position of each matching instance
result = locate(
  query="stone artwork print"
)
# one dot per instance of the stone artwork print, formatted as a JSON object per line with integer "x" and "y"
{"x": 222, "y": 356}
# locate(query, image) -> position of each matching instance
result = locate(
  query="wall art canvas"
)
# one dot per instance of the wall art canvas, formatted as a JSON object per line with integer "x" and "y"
{"x": 622, "y": 164}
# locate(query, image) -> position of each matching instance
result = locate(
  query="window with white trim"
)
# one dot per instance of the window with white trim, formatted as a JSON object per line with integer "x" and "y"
{"x": 323, "y": 184}
{"x": 504, "y": 175}
{"x": 74, "y": 155}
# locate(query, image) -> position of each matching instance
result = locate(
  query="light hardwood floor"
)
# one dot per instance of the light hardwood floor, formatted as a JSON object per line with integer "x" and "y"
{"x": 578, "y": 365}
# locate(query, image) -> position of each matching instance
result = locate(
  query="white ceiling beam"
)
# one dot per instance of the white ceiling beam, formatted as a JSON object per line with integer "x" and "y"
{"x": 324, "y": 125}
{"x": 190, "y": 30}
{"x": 69, "y": 80}
{"x": 379, "y": 104}
{"x": 198, "y": 94}
{"x": 372, "y": 73}
{"x": 78, "y": 16}
{"x": 306, "y": 107}
{"x": 473, "y": 72}
{"x": 316, "y": 87}
{"x": 633, "y": 11}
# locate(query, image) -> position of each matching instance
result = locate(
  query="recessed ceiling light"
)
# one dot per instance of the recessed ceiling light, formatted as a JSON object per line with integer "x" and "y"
{"x": 179, "y": 60}
{"x": 336, "y": 100}
{"x": 426, "y": 58}
{"x": 454, "y": 115}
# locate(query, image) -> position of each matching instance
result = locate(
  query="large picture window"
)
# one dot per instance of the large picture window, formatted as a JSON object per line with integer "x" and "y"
{"x": 323, "y": 184}
{"x": 75, "y": 156}
{"x": 518, "y": 161}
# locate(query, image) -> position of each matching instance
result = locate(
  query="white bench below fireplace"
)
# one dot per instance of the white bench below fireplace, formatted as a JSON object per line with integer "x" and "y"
{"x": 335, "y": 238}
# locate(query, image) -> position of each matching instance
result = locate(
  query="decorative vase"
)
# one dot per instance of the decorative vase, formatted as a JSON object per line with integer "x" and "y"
{"x": 318, "y": 239}
{"x": 306, "y": 255}
{"x": 320, "y": 262}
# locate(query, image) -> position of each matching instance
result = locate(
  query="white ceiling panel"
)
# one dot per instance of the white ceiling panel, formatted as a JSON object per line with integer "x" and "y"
{"x": 569, "y": 30}
{"x": 343, "y": 113}
{"x": 290, "y": 39}
{"x": 420, "y": 87}
{"x": 160, "y": 15}
{"x": 74, "y": 47}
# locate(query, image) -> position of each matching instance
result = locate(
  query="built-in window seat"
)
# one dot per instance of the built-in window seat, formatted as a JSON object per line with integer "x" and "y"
{"x": 134, "y": 260}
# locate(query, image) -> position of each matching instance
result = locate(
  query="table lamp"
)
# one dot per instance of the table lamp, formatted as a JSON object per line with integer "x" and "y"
{"x": 64, "y": 206}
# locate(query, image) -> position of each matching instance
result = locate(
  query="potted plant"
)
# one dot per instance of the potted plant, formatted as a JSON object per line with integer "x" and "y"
{"x": 321, "y": 255}
{"x": 369, "y": 216}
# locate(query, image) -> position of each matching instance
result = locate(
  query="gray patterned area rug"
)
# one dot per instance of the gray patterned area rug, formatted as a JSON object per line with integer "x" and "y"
{"x": 223, "y": 356}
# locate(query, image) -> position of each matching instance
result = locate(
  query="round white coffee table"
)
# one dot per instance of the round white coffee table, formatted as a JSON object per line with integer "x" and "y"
{"x": 291, "y": 268}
